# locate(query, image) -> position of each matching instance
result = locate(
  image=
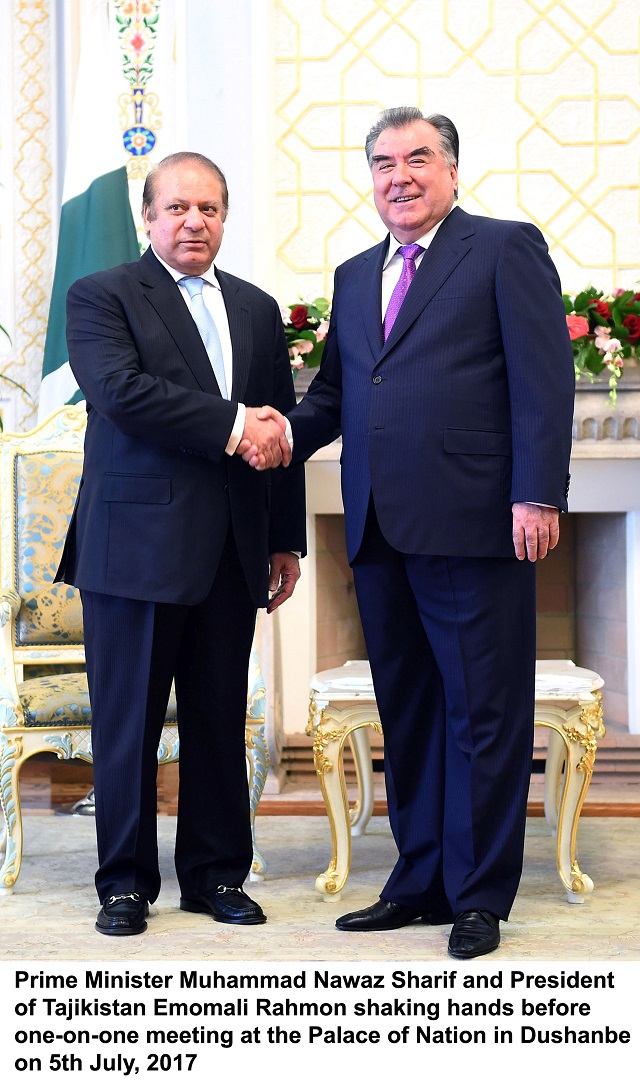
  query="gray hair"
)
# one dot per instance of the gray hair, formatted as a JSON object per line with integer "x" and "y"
{"x": 401, "y": 116}
{"x": 149, "y": 191}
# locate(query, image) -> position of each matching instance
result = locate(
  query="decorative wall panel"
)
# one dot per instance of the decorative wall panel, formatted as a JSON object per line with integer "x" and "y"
{"x": 27, "y": 222}
{"x": 545, "y": 95}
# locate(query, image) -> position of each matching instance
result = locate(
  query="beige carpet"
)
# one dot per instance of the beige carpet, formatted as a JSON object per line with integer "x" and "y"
{"x": 52, "y": 912}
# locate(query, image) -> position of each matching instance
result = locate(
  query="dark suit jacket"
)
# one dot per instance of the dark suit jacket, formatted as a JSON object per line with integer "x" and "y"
{"x": 158, "y": 488}
{"x": 465, "y": 409}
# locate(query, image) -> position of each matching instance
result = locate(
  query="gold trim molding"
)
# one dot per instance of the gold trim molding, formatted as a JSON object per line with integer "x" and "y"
{"x": 32, "y": 34}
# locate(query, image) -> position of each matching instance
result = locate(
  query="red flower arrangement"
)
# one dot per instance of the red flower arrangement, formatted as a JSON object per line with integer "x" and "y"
{"x": 604, "y": 333}
{"x": 305, "y": 327}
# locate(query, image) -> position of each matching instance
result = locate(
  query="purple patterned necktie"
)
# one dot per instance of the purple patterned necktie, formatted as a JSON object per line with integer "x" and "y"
{"x": 408, "y": 254}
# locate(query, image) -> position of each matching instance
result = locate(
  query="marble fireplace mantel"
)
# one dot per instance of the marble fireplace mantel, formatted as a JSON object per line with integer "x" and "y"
{"x": 605, "y": 478}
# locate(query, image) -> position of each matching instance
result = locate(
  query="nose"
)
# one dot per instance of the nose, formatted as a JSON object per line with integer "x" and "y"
{"x": 194, "y": 218}
{"x": 401, "y": 174}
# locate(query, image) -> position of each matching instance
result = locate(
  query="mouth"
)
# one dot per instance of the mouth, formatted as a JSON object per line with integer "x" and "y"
{"x": 403, "y": 199}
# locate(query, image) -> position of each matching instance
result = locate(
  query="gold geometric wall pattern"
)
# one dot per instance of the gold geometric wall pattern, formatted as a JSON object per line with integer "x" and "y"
{"x": 545, "y": 96}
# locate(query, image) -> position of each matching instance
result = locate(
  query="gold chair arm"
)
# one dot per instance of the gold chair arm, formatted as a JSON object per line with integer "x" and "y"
{"x": 10, "y": 708}
{"x": 10, "y": 603}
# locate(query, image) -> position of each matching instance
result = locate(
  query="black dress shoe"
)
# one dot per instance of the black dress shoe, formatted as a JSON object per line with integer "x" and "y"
{"x": 474, "y": 932}
{"x": 123, "y": 915}
{"x": 227, "y": 904}
{"x": 388, "y": 915}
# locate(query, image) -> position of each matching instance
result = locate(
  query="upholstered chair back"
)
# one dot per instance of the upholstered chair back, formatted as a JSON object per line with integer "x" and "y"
{"x": 46, "y": 485}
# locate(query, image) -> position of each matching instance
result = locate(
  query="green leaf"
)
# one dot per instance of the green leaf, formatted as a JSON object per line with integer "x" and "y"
{"x": 624, "y": 299}
{"x": 594, "y": 362}
{"x": 581, "y": 303}
{"x": 314, "y": 357}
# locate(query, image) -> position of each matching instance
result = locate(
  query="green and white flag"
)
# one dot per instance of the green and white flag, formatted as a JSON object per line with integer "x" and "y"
{"x": 112, "y": 134}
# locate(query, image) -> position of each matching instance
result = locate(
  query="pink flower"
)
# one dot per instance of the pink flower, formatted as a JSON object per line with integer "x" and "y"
{"x": 321, "y": 331}
{"x": 303, "y": 347}
{"x": 602, "y": 334}
{"x": 578, "y": 326}
{"x": 137, "y": 42}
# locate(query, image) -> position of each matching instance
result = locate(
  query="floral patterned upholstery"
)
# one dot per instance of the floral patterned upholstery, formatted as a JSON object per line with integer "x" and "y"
{"x": 63, "y": 702}
{"x": 46, "y": 483}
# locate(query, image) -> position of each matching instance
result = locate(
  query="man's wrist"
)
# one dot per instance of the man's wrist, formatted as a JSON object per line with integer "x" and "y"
{"x": 238, "y": 430}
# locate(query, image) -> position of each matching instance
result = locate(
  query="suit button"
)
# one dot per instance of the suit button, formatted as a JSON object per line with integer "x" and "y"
{"x": 226, "y": 488}
{"x": 377, "y": 380}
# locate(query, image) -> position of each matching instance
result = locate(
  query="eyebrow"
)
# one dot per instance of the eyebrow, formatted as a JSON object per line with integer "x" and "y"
{"x": 416, "y": 151}
{"x": 184, "y": 200}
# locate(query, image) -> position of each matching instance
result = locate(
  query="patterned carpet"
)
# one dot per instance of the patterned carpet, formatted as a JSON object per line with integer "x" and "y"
{"x": 52, "y": 912}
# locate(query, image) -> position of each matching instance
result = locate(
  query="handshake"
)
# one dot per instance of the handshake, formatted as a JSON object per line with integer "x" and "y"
{"x": 264, "y": 443}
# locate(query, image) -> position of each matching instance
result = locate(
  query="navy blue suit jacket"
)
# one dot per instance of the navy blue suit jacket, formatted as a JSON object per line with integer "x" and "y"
{"x": 158, "y": 489}
{"x": 465, "y": 409}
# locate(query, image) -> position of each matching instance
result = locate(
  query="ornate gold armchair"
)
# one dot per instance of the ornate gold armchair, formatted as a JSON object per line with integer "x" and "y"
{"x": 44, "y": 701}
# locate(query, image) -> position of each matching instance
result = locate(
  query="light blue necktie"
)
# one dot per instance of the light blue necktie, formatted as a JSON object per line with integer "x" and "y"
{"x": 207, "y": 328}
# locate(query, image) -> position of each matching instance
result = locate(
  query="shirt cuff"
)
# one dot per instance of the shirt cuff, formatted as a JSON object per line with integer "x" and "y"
{"x": 238, "y": 430}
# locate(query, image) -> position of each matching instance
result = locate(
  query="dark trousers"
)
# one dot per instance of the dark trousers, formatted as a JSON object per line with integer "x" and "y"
{"x": 134, "y": 650}
{"x": 451, "y": 643}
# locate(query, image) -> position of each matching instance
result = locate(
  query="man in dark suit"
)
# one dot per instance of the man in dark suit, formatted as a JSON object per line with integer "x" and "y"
{"x": 448, "y": 371}
{"x": 175, "y": 542}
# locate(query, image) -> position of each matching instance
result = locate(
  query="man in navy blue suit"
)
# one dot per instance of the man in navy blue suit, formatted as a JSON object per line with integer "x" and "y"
{"x": 175, "y": 542}
{"x": 448, "y": 371}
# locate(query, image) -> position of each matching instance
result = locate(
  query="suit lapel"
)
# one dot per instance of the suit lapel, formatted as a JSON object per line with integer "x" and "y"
{"x": 370, "y": 294}
{"x": 239, "y": 317}
{"x": 164, "y": 295}
{"x": 450, "y": 245}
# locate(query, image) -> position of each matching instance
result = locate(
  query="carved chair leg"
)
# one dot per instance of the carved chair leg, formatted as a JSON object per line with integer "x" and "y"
{"x": 257, "y": 766}
{"x": 574, "y": 790}
{"x": 328, "y": 749}
{"x": 363, "y": 809}
{"x": 10, "y": 763}
{"x": 556, "y": 754}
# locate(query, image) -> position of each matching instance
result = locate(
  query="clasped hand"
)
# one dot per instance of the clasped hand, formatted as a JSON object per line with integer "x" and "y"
{"x": 263, "y": 443}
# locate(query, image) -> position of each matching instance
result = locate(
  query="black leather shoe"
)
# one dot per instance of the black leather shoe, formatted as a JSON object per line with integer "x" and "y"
{"x": 388, "y": 915}
{"x": 123, "y": 915}
{"x": 474, "y": 932}
{"x": 227, "y": 904}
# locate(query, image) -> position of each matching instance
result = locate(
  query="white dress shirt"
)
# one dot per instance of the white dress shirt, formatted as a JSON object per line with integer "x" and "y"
{"x": 213, "y": 300}
{"x": 392, "y": 267}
